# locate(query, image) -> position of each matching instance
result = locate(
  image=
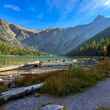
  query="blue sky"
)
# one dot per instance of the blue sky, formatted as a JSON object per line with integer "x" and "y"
{"x": 42, "y": 14}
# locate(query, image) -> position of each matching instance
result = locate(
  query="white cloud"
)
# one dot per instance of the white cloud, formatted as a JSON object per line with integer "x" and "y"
{"x": 107, "y": 3}
{"x": 80, "y": 8}
{"x": 94, "y": 6}
{"x": 12, "y": 7}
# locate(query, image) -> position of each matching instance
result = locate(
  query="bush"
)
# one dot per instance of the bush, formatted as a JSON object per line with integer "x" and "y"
{"x": 7, "y": 49}
{"x": 73, "y": 81}
{"x": 103, "y": 66}
{"x": 27, "y": 80}
{"x": 62, "y": 83}
{"x": 3, "y": 88}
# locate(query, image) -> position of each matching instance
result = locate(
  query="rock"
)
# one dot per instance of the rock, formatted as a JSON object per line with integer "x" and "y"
{"x": 53, "y": 107}
{"x": 37, "y": 95}
{"x": 7, "y": 35}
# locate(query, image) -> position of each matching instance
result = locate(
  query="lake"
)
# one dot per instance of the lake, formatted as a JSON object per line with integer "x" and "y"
{"x": 6, "y": 60}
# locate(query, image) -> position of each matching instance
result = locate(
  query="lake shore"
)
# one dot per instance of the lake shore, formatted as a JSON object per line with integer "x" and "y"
{"x": 88, "y": 100}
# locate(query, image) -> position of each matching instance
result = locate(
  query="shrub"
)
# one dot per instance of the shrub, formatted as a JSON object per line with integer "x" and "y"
{"x": 72, "y": 81}
{"x": 27, "y": 80}
{"x": 3, "y": 88}
{"x": 62, "y": 83}
{"x": 103, "y": 66}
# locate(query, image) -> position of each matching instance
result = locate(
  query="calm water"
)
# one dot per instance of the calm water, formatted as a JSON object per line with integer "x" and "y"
{"x": 13, "y": 60}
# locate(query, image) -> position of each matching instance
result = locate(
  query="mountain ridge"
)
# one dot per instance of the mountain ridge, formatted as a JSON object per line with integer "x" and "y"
{"x": 60, "y": 41}
{"x": 66, "y": 40}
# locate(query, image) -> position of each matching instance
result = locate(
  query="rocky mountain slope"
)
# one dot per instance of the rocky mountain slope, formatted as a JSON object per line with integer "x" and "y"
{"x": 10, "y": 42}
{"x": 56, "y": 41}
{"x": 95, "y": 45}
{"x": 6, "y": 34}
{"x": 64, "y": 41}
{"x": 22, "y": 33}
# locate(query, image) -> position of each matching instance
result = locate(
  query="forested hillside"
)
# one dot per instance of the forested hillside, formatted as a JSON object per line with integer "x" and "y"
{"x": 6, "y": 48}
{"x": 95, "y": 46}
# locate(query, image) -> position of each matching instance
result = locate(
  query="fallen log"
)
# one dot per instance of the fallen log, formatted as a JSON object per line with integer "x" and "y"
{"x": 15, "y": 67}
{"x": 19, "y": 92}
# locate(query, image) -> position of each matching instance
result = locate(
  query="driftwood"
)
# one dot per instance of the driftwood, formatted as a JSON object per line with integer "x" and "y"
{"x": 19, "y": 92}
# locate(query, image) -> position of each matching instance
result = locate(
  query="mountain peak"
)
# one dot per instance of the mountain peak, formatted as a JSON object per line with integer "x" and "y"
{"x": 100, "y": 17}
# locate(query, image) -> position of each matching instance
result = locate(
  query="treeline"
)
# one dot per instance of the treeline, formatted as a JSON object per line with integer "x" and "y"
{"x": 98, "y": 46}
{"x": 7, "y": 49}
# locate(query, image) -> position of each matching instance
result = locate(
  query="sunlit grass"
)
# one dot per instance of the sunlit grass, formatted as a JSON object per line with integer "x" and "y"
{"x": 27, "y": 80}
{"x": 3, "y": 88}
{"x": 75, "y": 80}
{"x": 6, "y": 60}
{"x": 72, "y": 81}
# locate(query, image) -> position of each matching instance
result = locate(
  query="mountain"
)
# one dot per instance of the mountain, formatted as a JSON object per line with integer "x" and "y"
{"x": 65, "y": 41}
{"x": 6, "y": 34}
{"x": 95, "y": 45}
{"x": 56, "y": 41}
{"x": 22, "y": 33}
{"x": 10, "y": 42}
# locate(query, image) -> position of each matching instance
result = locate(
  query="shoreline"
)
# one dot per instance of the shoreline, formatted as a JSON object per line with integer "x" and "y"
{"x": 80, "y": 101}
{"x": 18, "y": 93}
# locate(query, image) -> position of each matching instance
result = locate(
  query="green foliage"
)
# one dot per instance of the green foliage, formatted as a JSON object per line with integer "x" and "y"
{"x": 75, "y": 80}
{"x": 3, "y": 88}
{"x": 7, "y": 49}
{"x": 34, "y": 79}
{"x": 95, "y": 44}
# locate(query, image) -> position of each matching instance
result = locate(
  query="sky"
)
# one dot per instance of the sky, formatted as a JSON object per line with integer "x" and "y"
{"x": 42, "y": 14}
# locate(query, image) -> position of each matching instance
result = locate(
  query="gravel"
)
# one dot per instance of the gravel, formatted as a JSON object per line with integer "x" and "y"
{"x": 92, "y": 98}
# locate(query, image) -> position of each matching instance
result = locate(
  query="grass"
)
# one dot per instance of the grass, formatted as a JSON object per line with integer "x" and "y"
{"x": 75, "y": 80}
{"x": 27, "y": 80}
{"x": 6, "y": 60}
{"x": 63, "y": 83}
{"x": 3, "y": 88}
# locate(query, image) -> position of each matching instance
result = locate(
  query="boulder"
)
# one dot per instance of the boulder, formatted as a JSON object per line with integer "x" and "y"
{"x": 52, "y": 107}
